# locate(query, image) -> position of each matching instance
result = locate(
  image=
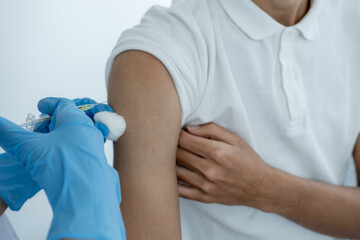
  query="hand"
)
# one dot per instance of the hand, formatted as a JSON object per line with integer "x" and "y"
{"x": 70, "y": 165}
{"x": 217, "y": 166}
{"x": 16, "y": 185}
{"x": 44, "y": 127}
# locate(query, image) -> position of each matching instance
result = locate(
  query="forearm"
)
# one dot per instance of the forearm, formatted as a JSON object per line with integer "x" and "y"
{"x": 3, "y": 206}
{"x": 324, "y": 208}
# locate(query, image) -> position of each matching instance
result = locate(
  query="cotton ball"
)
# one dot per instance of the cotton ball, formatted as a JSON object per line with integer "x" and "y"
{"x": 115, "y": 123}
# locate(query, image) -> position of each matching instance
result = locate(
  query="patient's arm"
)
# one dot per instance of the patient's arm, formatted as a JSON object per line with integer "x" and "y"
{"x": 3, "y": 206}
{"x": 141, "y": 90}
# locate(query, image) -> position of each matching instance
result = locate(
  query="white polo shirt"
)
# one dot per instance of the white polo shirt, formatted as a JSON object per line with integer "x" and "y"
{"x": 292, "y": 93}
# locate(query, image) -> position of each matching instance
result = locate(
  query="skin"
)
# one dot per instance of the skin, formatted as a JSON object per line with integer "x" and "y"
{"x": 218, "y": 175}
{"x": 286, "y": 12}
{"x": 3, "y": 206}
{"x": 145, "y": 156}
{"x": 222, "y": 168}
{"x": 147, "y": 165}
{"x": 215, "y": 178}
{"x": 142, "y": 91}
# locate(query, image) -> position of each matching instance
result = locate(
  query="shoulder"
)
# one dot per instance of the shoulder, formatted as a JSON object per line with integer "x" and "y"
{"x": 177, "y": 37}
{"x": 179, "y": 8}
{"x": 185, "y": 14}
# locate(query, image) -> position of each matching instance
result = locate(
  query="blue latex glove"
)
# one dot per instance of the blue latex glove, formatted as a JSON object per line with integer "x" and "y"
{"x": 70, "y": 165}
{"x": 92, "y": 111}
{"x": 16, "y": 185}
{"x": 44, "y": 127}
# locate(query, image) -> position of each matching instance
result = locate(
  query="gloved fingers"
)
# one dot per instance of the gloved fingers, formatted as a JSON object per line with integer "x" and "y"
{"x": 103, "y": 129}
{"x": 114, "y": 122}
{"x": 48, "y": 105}
{"x": 64, "y": 112}
{"x": 98, "y": 108}
{"x": 83, "y": 101}
{"x": 42, "y": 127}
{"x": 13, "y": 138}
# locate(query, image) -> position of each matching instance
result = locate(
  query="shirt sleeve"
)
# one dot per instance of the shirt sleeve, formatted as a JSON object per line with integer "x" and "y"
{"x": 173, "y": 37}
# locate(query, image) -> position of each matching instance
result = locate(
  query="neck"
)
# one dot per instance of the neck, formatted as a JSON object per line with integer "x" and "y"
{"x": 286, "y": 12}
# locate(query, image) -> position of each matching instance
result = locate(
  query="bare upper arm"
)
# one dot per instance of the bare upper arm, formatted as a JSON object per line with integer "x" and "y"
{"x": 356, "y": 155}
{"x": 142, "y": 91}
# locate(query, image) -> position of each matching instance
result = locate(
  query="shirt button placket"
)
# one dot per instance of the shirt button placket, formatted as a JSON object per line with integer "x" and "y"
{"x": 290, "y": 87}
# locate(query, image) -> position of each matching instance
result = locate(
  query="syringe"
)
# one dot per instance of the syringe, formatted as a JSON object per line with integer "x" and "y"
{"x": 32, "y": 120}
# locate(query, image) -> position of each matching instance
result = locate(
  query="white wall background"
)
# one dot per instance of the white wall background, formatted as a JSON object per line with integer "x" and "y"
{"x": 56, "y": 48}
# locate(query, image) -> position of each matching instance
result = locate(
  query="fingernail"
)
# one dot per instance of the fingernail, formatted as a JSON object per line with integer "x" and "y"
{"x": 192, "y": 127}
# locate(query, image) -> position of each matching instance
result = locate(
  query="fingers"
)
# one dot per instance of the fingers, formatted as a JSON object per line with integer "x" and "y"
{"x": 114, "y": 122}
{"x": 192, "y": 193}
{"x": 190, "y": 177}
{"x": 103, "y": 129}
{"x": 98, "y": 108}
{"x": 12, "y": 136}
{"x": 51, "y": 104}
{"x": 64, "y": 112}
{"x": 42, "y": 127}
{"x": 48, "y": 105}
{"x": 93, "y": 111}
{"x": 198, "y": 145}
{"x": 83, "y": 101}
{"x": 214, "y": 131}
{"x": 191, "y": 161}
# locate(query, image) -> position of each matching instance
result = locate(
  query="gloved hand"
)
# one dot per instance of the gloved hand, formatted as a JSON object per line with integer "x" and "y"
{"x": 44, "y": 126}
{"x": 70, "y": 165}
{"x": 16, "y": 185}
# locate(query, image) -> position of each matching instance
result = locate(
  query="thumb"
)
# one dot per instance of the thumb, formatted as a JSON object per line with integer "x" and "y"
{"x": 13, "y": 138}
{"x": 48, "y": 105}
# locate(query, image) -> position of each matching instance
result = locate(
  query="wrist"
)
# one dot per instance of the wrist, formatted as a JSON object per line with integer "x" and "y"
{"x": 268, "y": 191}
{"x": 280, "y": 193}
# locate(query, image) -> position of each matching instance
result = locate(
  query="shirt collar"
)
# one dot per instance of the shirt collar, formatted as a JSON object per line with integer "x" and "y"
{"x": 258, "y": 25}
